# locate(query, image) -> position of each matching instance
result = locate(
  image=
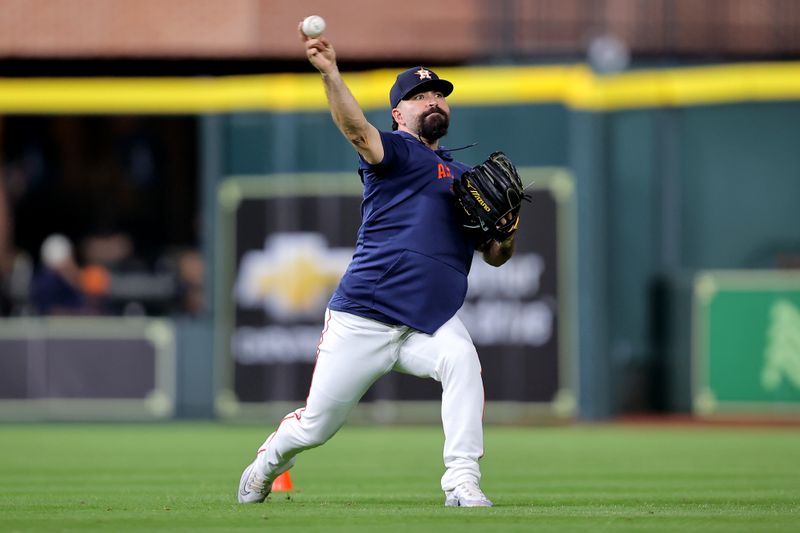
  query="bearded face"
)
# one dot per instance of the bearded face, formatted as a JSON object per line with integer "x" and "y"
{"x": 433, "y": 123}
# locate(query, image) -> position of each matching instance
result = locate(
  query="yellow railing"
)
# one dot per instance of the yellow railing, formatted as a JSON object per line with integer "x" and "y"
{"x": 575, "y": 86}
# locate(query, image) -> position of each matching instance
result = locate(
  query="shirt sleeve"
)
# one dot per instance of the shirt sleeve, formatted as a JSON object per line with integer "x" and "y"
{"x": 395, "y": 153}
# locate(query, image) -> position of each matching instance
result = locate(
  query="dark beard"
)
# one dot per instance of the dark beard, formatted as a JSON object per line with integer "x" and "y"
{"x": 435, "y": 127}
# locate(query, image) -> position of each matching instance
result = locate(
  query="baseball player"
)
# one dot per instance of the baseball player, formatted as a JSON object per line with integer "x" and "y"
{"x": 395, "y": 306}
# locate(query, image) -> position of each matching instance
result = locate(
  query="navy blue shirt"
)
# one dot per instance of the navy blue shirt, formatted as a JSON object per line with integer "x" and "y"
{"x": 51, "y": 293}
{"x": 412, "y": 256}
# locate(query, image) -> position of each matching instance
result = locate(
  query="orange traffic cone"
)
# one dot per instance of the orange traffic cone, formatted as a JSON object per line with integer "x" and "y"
{"x": 283, "y": 483}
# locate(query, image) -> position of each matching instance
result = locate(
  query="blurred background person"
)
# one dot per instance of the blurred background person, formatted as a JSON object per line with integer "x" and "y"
{"x": 55, "y": 288}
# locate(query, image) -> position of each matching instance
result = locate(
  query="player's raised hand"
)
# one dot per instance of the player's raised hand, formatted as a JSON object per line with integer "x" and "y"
{"x": 319, "y": 51}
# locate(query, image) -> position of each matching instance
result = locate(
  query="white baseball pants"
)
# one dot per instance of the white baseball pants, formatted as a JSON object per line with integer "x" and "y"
{"x": 353, "y": 353}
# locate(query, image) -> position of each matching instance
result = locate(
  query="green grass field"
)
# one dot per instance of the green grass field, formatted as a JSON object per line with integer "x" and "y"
{"x": 183, "y": 477}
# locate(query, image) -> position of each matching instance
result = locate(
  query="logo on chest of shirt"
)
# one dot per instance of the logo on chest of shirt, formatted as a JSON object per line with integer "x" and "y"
{"x": 443, "y": 172}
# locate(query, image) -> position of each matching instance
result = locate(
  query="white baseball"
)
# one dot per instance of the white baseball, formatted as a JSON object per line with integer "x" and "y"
{"x": 313, "y": 26}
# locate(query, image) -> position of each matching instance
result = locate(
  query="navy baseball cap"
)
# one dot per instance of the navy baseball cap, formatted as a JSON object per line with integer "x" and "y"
{"x": 416, "y": 80}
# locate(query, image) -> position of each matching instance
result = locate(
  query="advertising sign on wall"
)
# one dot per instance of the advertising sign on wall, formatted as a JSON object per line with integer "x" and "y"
{"x": 747, "y": 342}
{"x": 87, "y": 368}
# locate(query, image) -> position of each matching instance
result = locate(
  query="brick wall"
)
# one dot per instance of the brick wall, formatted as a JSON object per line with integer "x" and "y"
{"x": 456, "y": 30}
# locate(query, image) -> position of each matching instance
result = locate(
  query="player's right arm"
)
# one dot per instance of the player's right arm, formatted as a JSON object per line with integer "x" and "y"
{"x": 347, "y": 114}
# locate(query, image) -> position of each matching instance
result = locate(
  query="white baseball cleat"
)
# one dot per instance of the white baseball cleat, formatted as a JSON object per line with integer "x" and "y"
{"x": 466, "y": 494}
{"x": 253, "y": 486}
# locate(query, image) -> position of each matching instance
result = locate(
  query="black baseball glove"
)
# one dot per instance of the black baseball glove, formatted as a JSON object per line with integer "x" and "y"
{"x": 489, "y": 197}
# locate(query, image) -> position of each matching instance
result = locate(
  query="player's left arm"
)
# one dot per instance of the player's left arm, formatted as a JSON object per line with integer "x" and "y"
{"x": 484, "y": 192}
{"x": 496, "y": 252}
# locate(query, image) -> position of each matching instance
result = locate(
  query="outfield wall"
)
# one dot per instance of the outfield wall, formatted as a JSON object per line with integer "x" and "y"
{"x": 676, "y": 171}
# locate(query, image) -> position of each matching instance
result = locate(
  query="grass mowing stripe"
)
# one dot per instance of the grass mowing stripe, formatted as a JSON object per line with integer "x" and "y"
{"x": 183, "y": 476}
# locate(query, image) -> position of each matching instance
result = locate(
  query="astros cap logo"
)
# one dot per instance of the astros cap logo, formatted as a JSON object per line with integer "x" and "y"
{"x": 423, "y": 74}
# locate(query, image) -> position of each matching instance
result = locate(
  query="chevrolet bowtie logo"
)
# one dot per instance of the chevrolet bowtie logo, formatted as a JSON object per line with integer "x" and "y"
{"x": 424, "y": 74}
{"x": 294, "y": 275}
